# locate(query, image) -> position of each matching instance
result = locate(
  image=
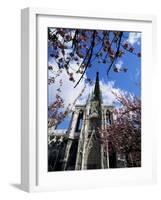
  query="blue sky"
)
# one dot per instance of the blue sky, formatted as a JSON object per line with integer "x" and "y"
{"x": 126, "y": 81}
{"x": 129, "y": 81}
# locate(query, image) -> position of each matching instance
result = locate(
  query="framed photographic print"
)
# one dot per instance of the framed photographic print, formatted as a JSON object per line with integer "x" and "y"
{"x": 86, "y": 99}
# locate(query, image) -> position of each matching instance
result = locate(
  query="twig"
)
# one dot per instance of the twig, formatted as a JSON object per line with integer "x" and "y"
{"x": 89, "y": 59}
{"x": 116, "y": 54}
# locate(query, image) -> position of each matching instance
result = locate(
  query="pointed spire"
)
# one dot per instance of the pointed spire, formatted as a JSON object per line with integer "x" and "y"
{"x": 97, "y": 91}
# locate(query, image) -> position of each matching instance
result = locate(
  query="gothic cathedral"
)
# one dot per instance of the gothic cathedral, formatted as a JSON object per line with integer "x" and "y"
{"x": 80, "y": 147}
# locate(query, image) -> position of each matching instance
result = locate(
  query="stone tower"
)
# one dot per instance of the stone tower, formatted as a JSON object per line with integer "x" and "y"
{"x": 84, "y": 149}
{"x": 89, "y": 148}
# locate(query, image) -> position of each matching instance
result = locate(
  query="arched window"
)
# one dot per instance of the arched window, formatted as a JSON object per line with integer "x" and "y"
{"x": 108, "y": 117}
{"x": 79, "y": 122}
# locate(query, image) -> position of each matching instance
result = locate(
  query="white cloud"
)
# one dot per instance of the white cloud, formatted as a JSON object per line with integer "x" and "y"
{"x": 118, "y": 65}
{"x": 107, "y": 90}
{"x": 133, "y": 38}
{"x": 69, "y": 93}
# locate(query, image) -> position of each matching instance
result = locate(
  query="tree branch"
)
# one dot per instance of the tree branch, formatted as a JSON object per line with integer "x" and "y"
{"x": 116, "y": 54}
{"x": 89, "y": 59}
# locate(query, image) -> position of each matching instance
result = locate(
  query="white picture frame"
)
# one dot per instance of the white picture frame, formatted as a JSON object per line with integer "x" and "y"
{"x": 31, "y": 140}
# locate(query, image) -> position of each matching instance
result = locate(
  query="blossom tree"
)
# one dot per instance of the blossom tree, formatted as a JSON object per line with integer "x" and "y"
{"x": 123, "y": 135}
{"x": 84, "y": 47}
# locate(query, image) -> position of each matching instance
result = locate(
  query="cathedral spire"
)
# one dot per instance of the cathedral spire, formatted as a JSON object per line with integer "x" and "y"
{"x": 97, "y": 91}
